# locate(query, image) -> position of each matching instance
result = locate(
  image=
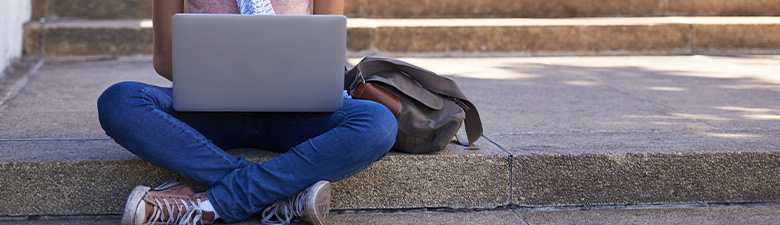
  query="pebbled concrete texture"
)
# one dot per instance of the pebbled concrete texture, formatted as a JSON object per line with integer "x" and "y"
{"x": 40, "y": 9}
{"x": 80, "y": 37}
{"x": 52, "y": 136}
{"x": 595, "y": 130}
{"x": 722, "y": 7}
{"x": 456, "y": 178}
{"x": 709, "y": 37}
{"x": 660, "y": 39}
{"x": 462, "y": 37}
{"x": 73, "y": 187}
{"x": 559, "y": 131}
{"x": 31, "y": 43}
{"x": 503, "y": 8}
{"x": 759, "y": 214}
{"x": 102, "y": 174}
{"x": 557, "y": 8}
{"x": 485, "y": 217}
{"x": 645, "y": 178}
{"x": 92, "y": 9}
{"x": 87, "y": 186}
{"x": 115, "y": 9}
{"x": 671, "y": 214}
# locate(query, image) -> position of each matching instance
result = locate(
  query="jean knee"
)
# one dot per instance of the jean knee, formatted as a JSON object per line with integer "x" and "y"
{"x": 383, "y": 126}
{"x": 116, "y": 93}
{"x": 113, "y": 102}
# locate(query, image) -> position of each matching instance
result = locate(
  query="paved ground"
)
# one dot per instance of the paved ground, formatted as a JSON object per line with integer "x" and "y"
{"x": 528, "y": 105}
{"x": 558, "y": 131}
{"x": 682, "y": 214}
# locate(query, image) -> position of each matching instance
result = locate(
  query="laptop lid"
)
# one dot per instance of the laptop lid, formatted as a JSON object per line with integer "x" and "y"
{"x": 258, "y": 63}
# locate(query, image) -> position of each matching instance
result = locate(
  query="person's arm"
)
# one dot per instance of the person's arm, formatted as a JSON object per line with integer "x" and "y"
{"x": 162, "y": 11}
{"x": 335, "y": 7}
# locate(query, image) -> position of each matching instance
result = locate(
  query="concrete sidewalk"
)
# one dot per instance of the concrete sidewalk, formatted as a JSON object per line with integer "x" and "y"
{"x": 681, "y": 214}
{"x": 559, "y": 131}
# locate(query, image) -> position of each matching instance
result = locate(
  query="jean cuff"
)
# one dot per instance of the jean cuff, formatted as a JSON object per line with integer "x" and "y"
{"x": 222, "y": 214}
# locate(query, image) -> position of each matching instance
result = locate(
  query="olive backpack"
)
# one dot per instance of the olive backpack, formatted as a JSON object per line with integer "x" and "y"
{"x": 429, "y": 108}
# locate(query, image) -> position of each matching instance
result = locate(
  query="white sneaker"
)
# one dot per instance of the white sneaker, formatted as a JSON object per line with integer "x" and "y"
{"x": 170, "y": 203}
{"x": 310, "y": 205}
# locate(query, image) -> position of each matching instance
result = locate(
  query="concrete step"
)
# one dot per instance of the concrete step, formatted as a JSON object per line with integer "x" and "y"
{"x": 559, "y": 131}
{"x": 557, "y": 8}
{"x": 462, "y": 37}
{"x": 667, "y": 214}
{"x": 91, "y": 9}
{"x": 133, "y": 9}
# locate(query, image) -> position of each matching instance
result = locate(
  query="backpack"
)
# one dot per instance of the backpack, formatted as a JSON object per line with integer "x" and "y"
{"x": 429, "y": 108}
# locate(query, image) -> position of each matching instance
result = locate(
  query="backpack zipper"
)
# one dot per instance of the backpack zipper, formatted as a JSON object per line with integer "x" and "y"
{"x": 460, "y": 103}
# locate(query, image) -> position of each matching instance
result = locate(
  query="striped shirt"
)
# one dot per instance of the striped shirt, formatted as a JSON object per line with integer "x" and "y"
{"x": 231, "y": 7}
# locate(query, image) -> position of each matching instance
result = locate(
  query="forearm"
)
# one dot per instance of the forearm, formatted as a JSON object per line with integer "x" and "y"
{"x": 335, "y": 7}
{"x": 162, "y": 11}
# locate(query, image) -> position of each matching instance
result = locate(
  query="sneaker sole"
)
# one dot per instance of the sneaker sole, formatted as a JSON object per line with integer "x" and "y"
{"x": 135, "y": 211}
{"x": 320, "y": 203}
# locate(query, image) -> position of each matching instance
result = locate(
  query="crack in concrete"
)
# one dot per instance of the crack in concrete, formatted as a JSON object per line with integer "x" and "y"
{"x": 509, "y": 160}
{"x": 517, "y": 214}
{"x": 14, "y": 81}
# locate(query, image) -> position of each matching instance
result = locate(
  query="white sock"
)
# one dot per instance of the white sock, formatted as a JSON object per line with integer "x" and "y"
{"x": 206, "y": 206}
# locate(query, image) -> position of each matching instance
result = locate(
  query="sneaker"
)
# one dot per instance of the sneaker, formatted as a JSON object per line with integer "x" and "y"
{"x": 170, "y": 203}
{"x": 310, "y": 205}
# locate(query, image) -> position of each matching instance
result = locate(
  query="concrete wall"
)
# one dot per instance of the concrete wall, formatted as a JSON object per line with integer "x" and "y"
{"x": 13, "y": 13}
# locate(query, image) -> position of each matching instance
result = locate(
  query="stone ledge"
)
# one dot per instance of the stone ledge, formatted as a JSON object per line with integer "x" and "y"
{"x": 557, "y": 8}
{"x": 92, "y": 9}
{"x": 130, "y": 9}
{"x": 646, "y": 178}
{"x": 463, "y": 37}
{"x": 572, "y": 130}
{"x": 633, "y": 168}
{"x": 100, "y": 182}
{"x": 455, "y": 178}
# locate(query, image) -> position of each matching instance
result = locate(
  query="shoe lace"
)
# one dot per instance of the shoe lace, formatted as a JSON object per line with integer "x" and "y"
{"x": 190, "y": 212}
{"x": 281, "y": 213}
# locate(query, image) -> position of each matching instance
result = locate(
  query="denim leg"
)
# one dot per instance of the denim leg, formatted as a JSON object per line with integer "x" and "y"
{"x": 317, "y": 146}
{"x": 354, "y": 138}
{"x": 139, "y": 117}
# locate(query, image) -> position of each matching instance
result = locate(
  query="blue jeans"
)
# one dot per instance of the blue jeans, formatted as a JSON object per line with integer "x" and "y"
{"x": 314, "y": 146}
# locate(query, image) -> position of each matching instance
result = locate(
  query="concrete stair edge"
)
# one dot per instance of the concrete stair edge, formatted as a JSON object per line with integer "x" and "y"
{"x": 60, "y": 174}
{"x": 129, "y": 9}
{"x": 462, "y": 37}
{"x": 455, "y": 178}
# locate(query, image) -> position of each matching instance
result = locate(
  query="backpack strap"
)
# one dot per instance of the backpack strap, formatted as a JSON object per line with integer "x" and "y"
{"x": 429, "y": 80}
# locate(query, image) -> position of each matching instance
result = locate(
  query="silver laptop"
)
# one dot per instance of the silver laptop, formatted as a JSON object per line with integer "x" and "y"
{"x": 254, "y": 63}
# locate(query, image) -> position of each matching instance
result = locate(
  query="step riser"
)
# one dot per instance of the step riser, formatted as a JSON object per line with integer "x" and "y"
{"x": 92, "y": 9}
{"x": 627, "y": 179}
{"x": 95, "y": 41}
{"x": 652, "y": 39}
{"x": 129, "y": 9}
{"x": 418, "y": 181}
{"x": 395, "y": 182}
{"x": 557, "y": 8}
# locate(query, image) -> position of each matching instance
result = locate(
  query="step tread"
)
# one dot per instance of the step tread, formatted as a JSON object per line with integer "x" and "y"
{"x": 559, "y": 131}
{"x": 461, "y": 22}
{"x": 106, "y": 9}
{"x": 643, "y": 214}
{"x": 463, "y": 37}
